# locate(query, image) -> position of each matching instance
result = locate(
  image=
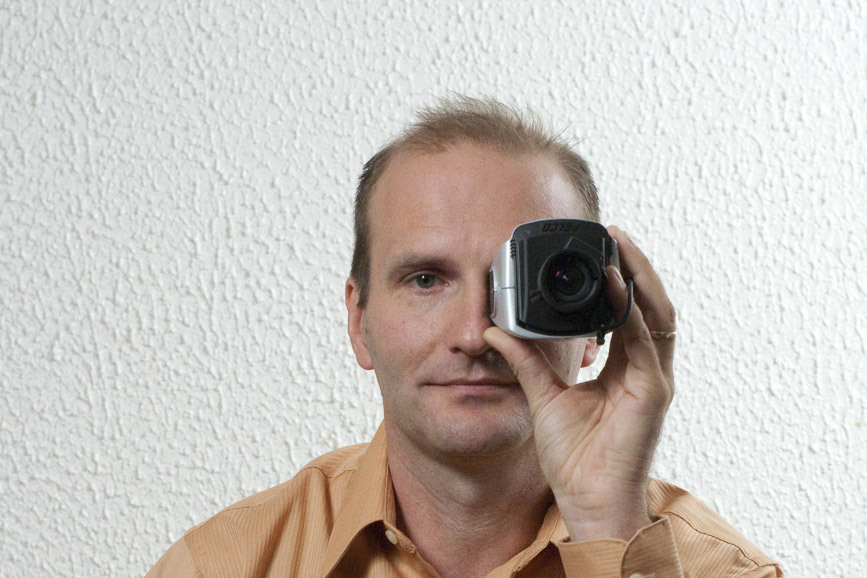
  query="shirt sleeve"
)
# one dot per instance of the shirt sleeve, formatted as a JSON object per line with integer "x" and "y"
{"x": 177, "y": 562}
{"x": 652, "y": 553}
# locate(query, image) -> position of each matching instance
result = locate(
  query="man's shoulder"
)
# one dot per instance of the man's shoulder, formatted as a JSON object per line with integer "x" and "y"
{"x": 703, "y": 537}
{"x": 293, "y": 520}
{"x": 324, "y": 478}
{"x": 326, "y": 473}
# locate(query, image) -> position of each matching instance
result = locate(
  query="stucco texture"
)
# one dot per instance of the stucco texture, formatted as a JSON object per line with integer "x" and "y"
{"x": 176, "y": 182}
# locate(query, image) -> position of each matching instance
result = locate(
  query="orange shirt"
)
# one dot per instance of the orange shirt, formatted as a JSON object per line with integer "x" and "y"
{"x": 336, "y": 519}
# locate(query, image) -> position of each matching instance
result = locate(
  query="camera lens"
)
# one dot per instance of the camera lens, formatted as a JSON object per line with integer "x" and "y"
{"x": 568, "y": 280}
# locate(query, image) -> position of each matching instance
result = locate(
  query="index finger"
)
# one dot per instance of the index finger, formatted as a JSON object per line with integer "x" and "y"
{"x": 536, "y": 376}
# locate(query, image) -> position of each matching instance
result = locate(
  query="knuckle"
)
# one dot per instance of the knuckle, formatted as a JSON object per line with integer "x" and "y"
{"x": 662, "y": 396}
{"x": 669, "y": 315}
{"x": 663, "y": 318}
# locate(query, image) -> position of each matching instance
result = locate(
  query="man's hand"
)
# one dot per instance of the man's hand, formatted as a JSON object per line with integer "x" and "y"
{"x": 595, "y": 440}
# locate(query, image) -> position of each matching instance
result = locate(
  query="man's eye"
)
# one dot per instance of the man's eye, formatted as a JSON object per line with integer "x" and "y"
{"x": 425, "y": 281}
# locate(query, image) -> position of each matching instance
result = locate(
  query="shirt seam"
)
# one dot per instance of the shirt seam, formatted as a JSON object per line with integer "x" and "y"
{"x": 343, "y": 470}
{"x": 718, "y": 539}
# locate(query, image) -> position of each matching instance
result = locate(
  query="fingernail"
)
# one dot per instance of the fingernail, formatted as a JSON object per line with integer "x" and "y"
{"x": 618, "y": 278}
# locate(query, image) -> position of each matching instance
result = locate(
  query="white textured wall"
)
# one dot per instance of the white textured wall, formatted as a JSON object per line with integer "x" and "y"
{"x": 175, "y": 228}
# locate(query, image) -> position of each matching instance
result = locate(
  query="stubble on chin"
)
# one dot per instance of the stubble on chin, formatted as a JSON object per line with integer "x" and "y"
{"x": 467, "y": 436}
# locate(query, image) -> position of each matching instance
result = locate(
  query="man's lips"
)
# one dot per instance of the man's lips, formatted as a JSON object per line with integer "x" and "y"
{"x": 483, "y": 382}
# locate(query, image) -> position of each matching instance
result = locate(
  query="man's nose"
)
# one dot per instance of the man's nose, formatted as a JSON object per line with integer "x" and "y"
{"x": 470, "y": 319}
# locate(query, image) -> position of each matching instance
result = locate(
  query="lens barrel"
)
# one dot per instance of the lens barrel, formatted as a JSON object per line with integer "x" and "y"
{"x": 569, "y": 280}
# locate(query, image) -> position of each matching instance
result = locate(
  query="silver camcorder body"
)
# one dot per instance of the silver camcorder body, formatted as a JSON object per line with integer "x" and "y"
{"x": 548, "y": 281}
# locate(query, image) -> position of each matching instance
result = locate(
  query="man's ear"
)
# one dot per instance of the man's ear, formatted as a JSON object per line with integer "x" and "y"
{"x": 354, "y": 324}
{"x": 591, "y": 350}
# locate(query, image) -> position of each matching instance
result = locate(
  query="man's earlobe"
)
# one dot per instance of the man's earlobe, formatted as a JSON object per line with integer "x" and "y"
{"x": 591, "y": 350}
{"x": 355, "y": 324}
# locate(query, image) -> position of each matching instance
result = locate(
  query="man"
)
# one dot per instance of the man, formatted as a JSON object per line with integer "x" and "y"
{"x": 489, "y": 462}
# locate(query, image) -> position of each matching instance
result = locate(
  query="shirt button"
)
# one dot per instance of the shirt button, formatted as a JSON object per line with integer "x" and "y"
{"x": 391, "y": 537}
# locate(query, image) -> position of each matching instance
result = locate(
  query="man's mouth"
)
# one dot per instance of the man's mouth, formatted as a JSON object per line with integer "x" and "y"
{"x": 478, "y": 382}
{"x": 478, "y": 387}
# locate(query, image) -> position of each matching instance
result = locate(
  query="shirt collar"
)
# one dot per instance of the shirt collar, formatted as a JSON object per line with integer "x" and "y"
{"x": 370, "y": 499}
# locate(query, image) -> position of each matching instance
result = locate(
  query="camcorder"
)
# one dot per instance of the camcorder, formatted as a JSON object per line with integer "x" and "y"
{"x": 548, "y": 281}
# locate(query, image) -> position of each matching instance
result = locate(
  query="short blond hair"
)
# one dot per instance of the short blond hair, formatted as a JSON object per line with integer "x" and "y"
{"x": 486, "y": 122}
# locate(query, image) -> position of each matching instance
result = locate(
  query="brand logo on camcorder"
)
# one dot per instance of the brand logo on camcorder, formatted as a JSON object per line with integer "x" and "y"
{"x": 560, "y": 227}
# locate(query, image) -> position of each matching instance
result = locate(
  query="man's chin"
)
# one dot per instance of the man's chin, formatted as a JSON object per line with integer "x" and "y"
{"x": 475, "y": 436}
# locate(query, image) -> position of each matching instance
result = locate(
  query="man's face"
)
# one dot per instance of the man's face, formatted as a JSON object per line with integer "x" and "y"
{"x": 436, "y": 223}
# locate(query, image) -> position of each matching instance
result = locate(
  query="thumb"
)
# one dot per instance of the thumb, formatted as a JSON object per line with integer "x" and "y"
{"x": 538, "y": 379}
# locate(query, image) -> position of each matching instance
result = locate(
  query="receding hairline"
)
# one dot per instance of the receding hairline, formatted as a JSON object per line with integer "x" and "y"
{"x": 400, "y": 149}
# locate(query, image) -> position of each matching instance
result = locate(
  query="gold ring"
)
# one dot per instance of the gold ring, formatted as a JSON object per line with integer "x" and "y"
{"x": 663, "y": 335}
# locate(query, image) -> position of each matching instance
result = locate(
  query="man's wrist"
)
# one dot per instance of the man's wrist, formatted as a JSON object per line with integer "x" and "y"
{"x": 617, "y": 525}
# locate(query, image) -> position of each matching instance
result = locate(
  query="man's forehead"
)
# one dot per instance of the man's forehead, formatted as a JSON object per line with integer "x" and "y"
{"x": 467, "y": 176}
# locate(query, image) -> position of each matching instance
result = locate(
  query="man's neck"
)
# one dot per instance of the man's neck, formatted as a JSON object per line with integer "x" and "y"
{"x": 467, "y": 520}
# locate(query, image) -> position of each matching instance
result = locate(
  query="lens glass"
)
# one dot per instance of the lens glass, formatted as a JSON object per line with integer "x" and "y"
{"x": 567, "y": 280}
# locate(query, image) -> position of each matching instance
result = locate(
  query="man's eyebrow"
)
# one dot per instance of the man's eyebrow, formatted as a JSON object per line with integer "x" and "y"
{"x": 411, "y": 263}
